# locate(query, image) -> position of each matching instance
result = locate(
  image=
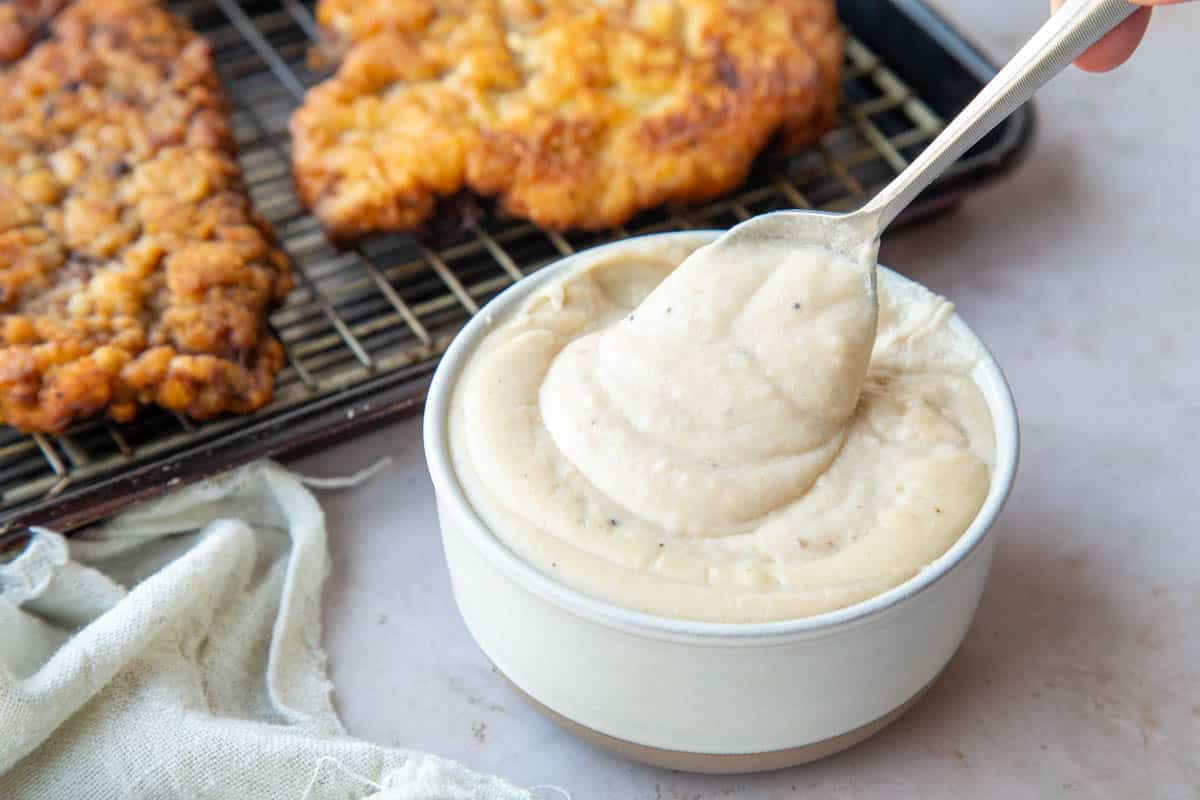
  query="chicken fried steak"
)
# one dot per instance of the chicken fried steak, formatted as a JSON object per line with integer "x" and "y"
{"x": 574, "y": 114}
{"x": 133, "y": 269}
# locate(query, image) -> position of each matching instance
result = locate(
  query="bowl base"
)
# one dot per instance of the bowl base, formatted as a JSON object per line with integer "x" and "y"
{"x": 723, "y": 763}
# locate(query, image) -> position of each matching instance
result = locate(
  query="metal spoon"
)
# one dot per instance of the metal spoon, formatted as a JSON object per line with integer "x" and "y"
{"x": 1077, "y": 25}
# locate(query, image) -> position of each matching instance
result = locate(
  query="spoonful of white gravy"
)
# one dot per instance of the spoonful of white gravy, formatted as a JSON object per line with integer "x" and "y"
{"x": 741, "y": 338}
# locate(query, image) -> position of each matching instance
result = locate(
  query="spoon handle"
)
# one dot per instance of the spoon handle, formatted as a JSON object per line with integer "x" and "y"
{"x": 1077, "y": 25}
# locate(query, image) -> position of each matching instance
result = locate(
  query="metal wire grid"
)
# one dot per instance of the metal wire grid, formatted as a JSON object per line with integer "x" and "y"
{"x": 390, "y": 306}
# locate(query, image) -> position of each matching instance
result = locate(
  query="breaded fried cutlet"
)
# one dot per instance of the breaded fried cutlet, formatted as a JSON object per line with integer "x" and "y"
{"x": 21, "y": 22}
{"x": 573, "y": 113}
{"x": 133, "y": 269}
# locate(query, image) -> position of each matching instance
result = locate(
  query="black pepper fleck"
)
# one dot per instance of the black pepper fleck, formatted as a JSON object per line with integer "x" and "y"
{"x": 796, "y": 306}
{"x": 613, "y": 522}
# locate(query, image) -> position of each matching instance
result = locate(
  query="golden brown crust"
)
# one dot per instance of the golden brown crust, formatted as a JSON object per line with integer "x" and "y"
{"x": 574, "y": 114}
{"x": 132, "y": 267}
{"x": 21, "y": 23}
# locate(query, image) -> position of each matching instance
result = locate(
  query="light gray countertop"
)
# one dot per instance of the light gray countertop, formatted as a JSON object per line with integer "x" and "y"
{"x": 1081, "y": 674}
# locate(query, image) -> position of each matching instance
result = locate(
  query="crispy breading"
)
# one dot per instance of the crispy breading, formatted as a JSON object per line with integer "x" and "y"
{"x": 575, "y": 114}
{"x": 21, "y": 22}
{"x": 133, "y": 269}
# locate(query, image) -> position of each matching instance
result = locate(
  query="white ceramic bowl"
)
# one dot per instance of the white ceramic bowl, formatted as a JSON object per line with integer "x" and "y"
{"x": 706, "y": 697}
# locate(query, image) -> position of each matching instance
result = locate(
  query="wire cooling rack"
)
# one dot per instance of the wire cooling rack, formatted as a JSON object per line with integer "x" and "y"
{"x": 364, "y": 328}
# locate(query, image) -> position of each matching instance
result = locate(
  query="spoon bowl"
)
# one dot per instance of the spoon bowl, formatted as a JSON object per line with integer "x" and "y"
{"x": 854, "y": 235}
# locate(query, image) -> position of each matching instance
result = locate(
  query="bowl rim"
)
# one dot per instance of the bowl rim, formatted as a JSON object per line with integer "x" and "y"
{"x": 452, "y": 498}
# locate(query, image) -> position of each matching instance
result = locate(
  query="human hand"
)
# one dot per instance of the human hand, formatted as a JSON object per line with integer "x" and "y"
{"x": 1118, "y": 45}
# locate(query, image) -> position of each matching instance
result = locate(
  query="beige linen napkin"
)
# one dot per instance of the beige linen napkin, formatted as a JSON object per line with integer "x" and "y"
{"x": 174, "y": 652}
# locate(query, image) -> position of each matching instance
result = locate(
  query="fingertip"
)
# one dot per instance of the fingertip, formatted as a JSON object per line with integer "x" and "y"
{"x": 1117, "y": 45}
